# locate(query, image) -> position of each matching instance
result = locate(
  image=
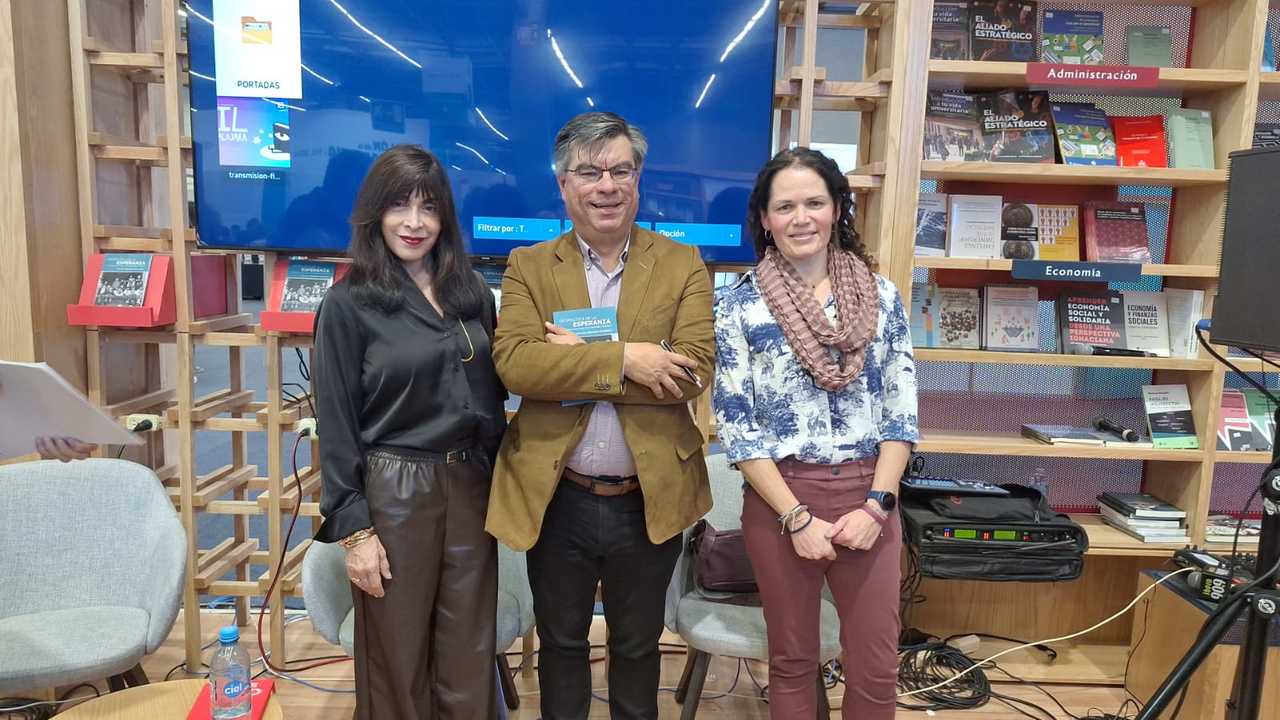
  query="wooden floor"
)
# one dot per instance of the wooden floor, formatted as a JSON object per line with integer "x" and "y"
{"x": 304, "y": 703}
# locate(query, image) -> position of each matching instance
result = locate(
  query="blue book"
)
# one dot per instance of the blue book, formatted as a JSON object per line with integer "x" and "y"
{"x": 1072, "y": 37}
{"x": 1084, "y": 134}
{"x": 590, "y": 324}
{"x": 1268, "y": 50}
{"x": 305, "y": 284}
{"x": 123, "y": 280}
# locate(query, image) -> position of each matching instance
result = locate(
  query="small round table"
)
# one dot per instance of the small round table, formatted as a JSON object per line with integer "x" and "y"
{"x": 172, "y": 699}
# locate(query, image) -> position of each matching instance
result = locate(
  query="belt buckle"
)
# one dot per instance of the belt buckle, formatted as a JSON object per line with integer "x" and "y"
{"x": 455, "y": 456}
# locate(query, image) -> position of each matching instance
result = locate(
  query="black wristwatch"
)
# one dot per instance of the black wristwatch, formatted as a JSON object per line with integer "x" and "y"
{"x": 886, "y": 499}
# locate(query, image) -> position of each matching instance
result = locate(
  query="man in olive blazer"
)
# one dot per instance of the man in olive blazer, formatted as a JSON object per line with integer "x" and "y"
{"x": 602, "y": 466}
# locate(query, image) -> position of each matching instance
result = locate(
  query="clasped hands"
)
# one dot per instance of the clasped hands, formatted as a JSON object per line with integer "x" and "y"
{"x": 856, "y": 530}
{"x": 642, "y": 362}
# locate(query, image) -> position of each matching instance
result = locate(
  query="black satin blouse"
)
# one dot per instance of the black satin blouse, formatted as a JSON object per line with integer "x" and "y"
{"x": 412, "y": 380}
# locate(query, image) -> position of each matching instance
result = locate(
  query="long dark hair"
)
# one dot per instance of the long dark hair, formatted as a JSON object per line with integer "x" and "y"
{"x": 837, "y": 187}
{"x": 377, "y": 277}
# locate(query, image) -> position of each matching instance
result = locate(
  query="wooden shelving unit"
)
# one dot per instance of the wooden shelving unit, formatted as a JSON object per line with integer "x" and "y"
{"x": 977, "y": 75}
{"x": 1223, "y": 77}
{"x": 137, "y": 67}
{"x": 1044, "y": 174}
{"x": 1005, "y": 265}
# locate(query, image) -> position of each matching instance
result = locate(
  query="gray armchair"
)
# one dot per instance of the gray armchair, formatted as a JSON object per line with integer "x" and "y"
{"x": 91, "y": 581}
{"x": 710, "y": 627}
{"x": 327, "y": 593}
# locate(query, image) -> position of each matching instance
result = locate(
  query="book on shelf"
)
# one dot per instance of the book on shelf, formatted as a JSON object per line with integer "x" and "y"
{"x": 1019, "y": 231}
{"x": 1235, "y": 430}
{"x": 1089, "y": 319}
{"x": 950, "y": 37}
{"x": 959, "y": 314}
{"x": 1190, "y": 138}
{"x": 1222, "y": 528}
{"x": 951, "y": 130}
{"x": 1169, "y": 420}
{"x": 1003, "y": 30}
{"x": 1169, "y": 526}
{"x": 1084, "y": 135}
{"x": 1078, "y": 435}
{"x": 973, "y": 226}
{"x": 1186, "y": 308}
{"x": 1059, "y": 232}
{"x": 1178, "y": 536}
{"x": 1011, "y": 318}
{"x": 123, "y": 280}
{"x": 1149, "y": 45}
{"x": 1141, "y": 505}
{"x": 1140, "y": 141}
{"x": 1116, "y": 231}
{"x": 931, "y": 225}
{"x": 1017, "y": 126}
{"x": 1146, "y": 322}
{"x": 1262, "y": 415}
{"x": 1266, "y": 134}
{"x": 1071, "y": 37}
{"x": 924, "y": 315}
{"x": 305, "y": 285}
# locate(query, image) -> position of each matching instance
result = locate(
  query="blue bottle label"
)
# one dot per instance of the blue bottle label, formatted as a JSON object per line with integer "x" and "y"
{"x": 235, "y": 688}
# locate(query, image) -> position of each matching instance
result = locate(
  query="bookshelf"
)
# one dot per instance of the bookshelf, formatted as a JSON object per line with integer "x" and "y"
{"x": 1224, "y": 40}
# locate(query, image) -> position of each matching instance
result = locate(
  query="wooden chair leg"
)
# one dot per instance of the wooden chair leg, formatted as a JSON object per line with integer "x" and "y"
{"x": 135, "y": 676}
{"x": 526, "y": 654}
{"x": 683, "y": 686}
{"x": 509, "y": 691}
{"x": 697, "y": 678}
{"x": 824, "y": 705}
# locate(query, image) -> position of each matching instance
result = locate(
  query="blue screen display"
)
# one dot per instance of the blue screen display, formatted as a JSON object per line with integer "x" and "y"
{"x": 485, "y": 84}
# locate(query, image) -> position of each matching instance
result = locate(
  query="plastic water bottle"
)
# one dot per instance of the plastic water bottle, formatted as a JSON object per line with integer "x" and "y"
{"x": 229, "y": 688}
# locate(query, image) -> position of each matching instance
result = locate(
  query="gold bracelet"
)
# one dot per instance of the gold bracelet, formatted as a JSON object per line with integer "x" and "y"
{"x": 356, "y": 538}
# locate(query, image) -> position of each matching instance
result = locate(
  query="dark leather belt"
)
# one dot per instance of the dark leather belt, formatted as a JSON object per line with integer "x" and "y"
{"x": 608, "y": 487}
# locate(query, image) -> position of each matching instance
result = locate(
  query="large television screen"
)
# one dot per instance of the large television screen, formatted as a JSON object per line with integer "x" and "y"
{"x": 293, "y": 99}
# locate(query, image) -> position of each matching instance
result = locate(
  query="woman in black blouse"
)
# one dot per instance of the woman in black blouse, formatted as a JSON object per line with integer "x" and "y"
{"x": 410, "y": 415}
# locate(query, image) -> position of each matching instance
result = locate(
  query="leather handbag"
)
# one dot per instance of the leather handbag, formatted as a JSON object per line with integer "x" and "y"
{"x": 720, "y": 560}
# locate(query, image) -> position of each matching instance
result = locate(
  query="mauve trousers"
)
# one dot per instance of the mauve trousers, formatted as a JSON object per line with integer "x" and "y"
{"x": 863, "y": 583}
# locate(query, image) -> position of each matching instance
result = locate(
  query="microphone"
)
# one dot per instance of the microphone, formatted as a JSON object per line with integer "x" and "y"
{"x": 1102, "y": 423}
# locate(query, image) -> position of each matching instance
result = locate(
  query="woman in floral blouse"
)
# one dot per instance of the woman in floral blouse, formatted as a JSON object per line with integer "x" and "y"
{"x": 815, "y": 400}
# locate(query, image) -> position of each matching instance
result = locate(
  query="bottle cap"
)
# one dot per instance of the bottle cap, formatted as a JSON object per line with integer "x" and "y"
{"x": 228, "y": 634}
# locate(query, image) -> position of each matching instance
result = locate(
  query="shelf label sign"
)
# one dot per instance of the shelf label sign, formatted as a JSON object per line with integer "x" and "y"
{"x": 1067, "y": 271}
{"x": 257, "y": 48}
{"x": 1095, "y": 76}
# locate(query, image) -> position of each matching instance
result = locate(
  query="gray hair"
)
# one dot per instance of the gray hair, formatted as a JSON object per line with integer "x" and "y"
{"x": 590, "y": 131}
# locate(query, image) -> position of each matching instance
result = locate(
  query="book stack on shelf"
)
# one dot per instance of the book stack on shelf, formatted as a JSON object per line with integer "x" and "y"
{"x": 1144, "y": 517}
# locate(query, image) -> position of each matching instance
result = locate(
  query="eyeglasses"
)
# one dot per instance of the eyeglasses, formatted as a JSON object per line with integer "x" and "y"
{"x": 621, "y": 174}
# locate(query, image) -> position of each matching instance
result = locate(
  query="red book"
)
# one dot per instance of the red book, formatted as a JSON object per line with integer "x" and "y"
{"x": 1140, "y": 141}
{"x": 1116, "y": 232}
{"x": 262, "y": 690}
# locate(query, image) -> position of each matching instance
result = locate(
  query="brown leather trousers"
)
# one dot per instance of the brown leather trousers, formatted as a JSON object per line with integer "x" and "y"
{"x": 425, "y": 650}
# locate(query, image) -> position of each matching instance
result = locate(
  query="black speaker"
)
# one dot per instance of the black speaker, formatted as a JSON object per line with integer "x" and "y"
{"x": 1244, "y": 314}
